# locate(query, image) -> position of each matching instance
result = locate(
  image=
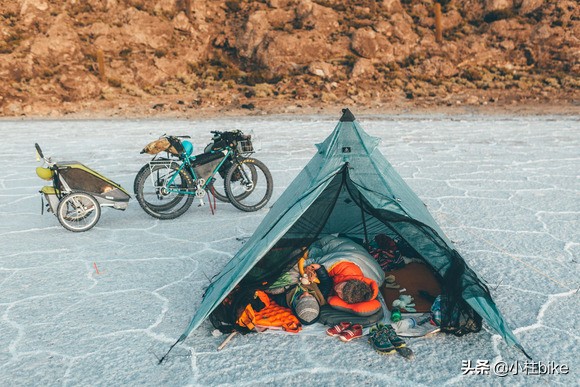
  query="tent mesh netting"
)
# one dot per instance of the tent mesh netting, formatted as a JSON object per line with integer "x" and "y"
{"x": 457, "y": 317}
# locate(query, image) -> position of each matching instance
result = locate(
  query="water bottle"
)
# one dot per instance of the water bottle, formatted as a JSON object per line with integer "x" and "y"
{"x": 395, "y": 315}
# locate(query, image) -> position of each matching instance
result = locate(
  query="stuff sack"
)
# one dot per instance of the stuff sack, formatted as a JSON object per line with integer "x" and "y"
{"x": 272, "y": 316}
{"x": 225, "y": 315}
{"x": 246, "y": 311}
{"x": 205, "y": 163}
{"x": 157, "y": 146}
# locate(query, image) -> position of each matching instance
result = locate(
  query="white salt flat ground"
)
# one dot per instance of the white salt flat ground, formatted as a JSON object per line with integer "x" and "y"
{"x": 506, "y": 190}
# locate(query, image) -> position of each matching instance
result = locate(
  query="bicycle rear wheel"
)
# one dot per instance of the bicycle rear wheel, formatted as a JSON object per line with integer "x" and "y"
{"x": 158, "y": 197}
{"x": 249, "y": 184}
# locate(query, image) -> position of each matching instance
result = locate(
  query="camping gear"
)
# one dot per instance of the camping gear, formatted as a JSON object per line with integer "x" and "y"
{"x": 331, "y": 250}
{"x": 166, "y": 186}
{"x": 395, "y": 314}
{"x": 406, "y": 324}
{"x": 306, "y": 308}
{"x": 391, "y": 282}
{"x": 227, "y": 340}
{"x": 418, "y": 326}
{"x": 404, "y": 302}
{"x": 344, "y": 260}
{"x": 331, "y": 316}
{"x": 77, "y": 193}
{"x": 349, "y": 188}
{"x": 436, "y": 310}
{"x": 270, "y": 316}
{"x": 416, "y": 278}
{"x": 386, "y": 252}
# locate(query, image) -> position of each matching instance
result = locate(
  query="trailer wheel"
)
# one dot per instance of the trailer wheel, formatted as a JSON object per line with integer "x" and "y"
{"x": 78, "y": 211}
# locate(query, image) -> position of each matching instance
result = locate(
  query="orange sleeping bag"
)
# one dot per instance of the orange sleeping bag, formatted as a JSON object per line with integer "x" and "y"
{"x": 344, "y": 271}
{"x": 271, "y": 316}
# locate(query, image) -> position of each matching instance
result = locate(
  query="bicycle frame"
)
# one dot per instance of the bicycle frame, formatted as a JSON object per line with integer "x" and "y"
{"x": 186, "y": 163}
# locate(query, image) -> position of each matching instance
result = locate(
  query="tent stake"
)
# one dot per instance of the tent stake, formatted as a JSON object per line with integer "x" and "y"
{"x": 227, "y": 340}
{"x": 170, "y": 348}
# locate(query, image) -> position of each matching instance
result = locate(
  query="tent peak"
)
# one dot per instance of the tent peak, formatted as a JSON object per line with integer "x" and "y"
{"x": 347, "y": 116}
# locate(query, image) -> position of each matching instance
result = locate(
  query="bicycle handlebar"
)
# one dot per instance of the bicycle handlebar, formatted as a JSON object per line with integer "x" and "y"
{"x": 39, "y": 150}
{"x": 182, "y": 136}
{"x": 235, "y": 132}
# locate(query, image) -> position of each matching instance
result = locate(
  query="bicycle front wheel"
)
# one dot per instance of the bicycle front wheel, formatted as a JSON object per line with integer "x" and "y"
{"x": 217, "y": 186}
{"x": 78, "y": 211}
{"x": 163, "y": 191}
{"x": 249, "y": 184}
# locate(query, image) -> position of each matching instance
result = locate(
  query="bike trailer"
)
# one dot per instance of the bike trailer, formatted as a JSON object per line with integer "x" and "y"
{"x": 74, "y": 176}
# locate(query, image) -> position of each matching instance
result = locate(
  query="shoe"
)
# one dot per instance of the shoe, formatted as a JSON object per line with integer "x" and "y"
{"x": 353, "y": 332}
{"x": 337, "y": 329}
{"x": 380, "y": 341}
{"x": 393, "y": 337}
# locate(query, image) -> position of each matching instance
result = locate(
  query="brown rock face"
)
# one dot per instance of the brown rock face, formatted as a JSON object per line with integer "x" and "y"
{"x": 364, "y": 43}
{"x": 61, "y": 44}
{"x": 498, "y": 9}
{"x": 529, "y": 6}
{"x": 62, "y": 56}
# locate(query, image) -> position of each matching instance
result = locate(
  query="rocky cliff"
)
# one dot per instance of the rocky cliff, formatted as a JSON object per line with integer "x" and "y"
{"x": 148, "y": 56}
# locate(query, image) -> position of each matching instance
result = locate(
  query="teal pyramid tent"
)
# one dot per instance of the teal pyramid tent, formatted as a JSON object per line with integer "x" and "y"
{"x": 349, "y": 188}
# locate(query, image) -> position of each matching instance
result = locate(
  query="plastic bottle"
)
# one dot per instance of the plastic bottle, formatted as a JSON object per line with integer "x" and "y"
{"x": 395, "y": 315}
{"x": 405, "y": 324}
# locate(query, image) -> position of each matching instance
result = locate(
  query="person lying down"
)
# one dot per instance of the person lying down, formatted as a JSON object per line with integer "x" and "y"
{"x": 332, "y": 274}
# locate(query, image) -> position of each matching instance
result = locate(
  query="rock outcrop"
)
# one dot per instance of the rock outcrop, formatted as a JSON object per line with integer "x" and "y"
{"x": 60, "y": 57}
